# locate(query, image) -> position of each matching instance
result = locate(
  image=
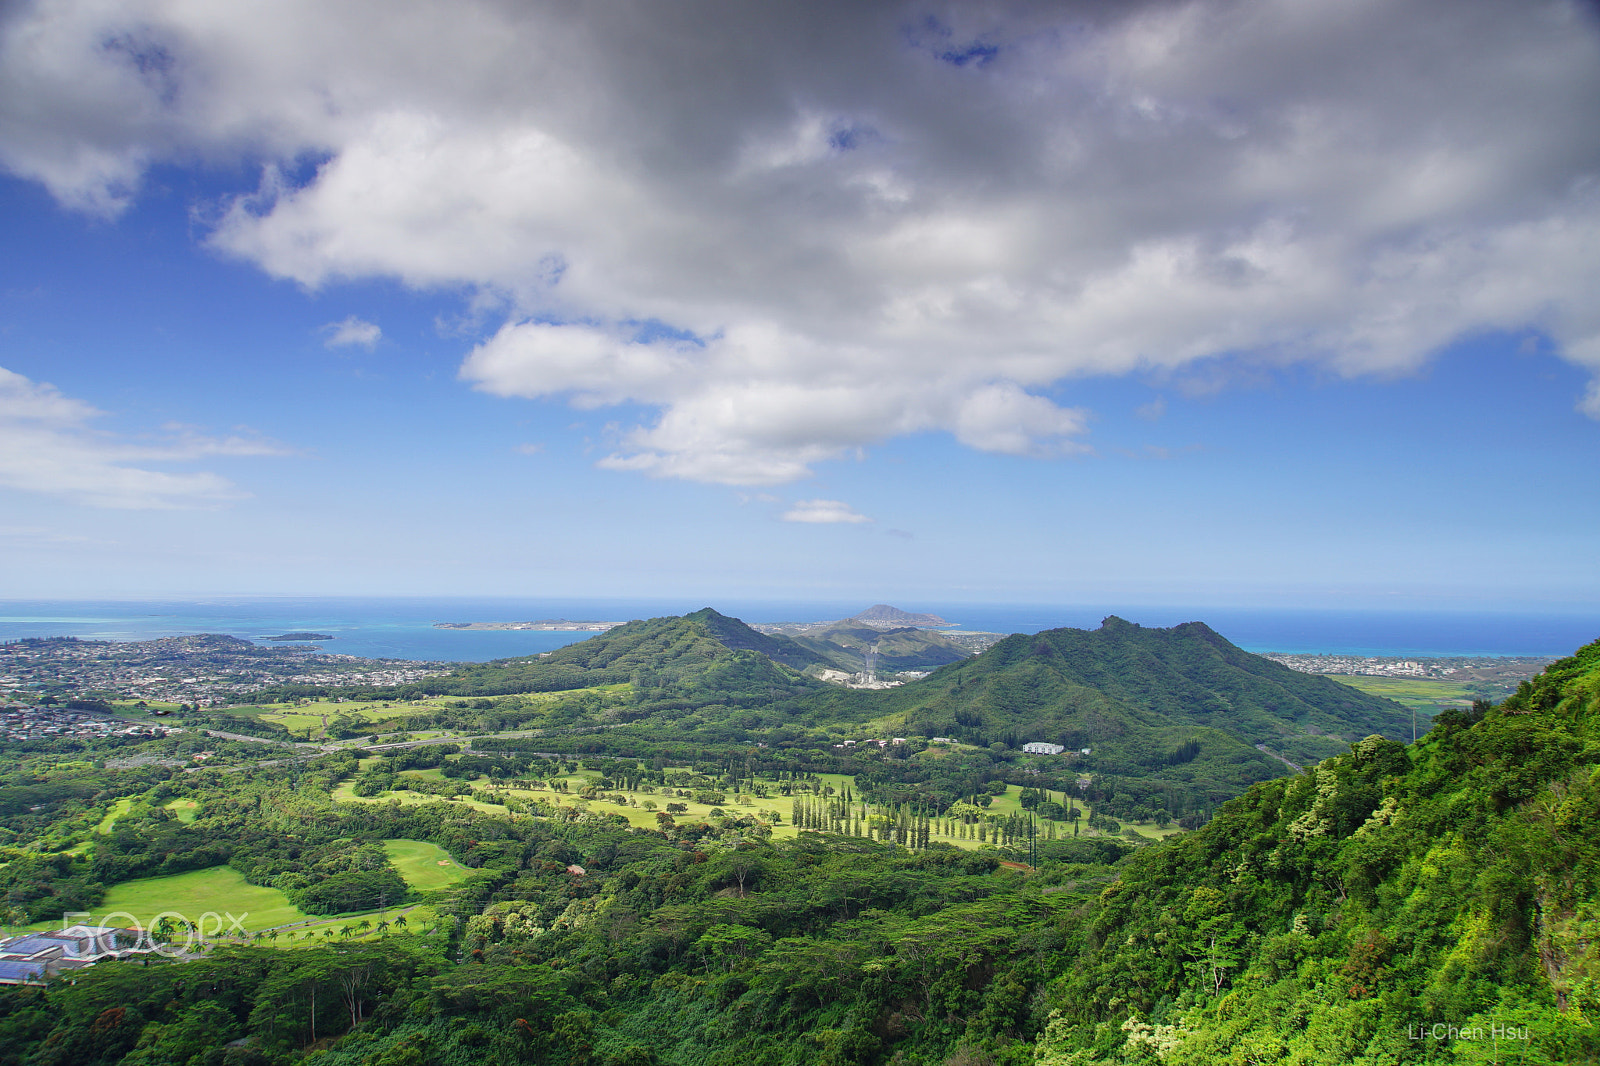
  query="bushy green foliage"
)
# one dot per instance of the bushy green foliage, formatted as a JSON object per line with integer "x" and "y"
{"x": 1432, "y": 904}
{"x": 1084, "y": 688}
{"x": 1393, "y": 905}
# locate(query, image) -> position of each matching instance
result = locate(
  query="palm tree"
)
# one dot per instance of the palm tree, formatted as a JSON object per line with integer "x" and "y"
{"x": 363, "y": 925}
{"x": 273, "y": 936}
{"x": 400, "y": 920}
{"x": 345, "y": 931}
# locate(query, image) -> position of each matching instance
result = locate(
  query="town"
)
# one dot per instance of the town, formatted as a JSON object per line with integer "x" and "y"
{"x": 206, "y": 668}
{"x": 46, "y": 723}
{"x": 1456, "y": 668}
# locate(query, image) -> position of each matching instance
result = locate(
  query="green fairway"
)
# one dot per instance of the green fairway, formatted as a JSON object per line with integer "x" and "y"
{"x": 118, "y": 809}
{"x": 405, "y": 797}
{"x": 1423, "y": 695}
{"x": 220, "y": 890}
{"x": 185, "y": 810}
{"x": 640, "y": 816}
{"x": 424, "y": 866}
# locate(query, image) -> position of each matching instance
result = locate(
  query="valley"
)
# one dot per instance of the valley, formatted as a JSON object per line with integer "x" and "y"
{"x": 672, "y": 843}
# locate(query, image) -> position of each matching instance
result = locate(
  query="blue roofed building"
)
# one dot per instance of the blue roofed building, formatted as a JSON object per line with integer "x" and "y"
{"x": 30, "y": 958}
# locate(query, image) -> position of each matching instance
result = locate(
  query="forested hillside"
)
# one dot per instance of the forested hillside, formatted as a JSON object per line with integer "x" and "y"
{"x": 1175, "y": 720}
{"x": 1082, "y": 687}
{"x": 699, "y": 657}
{"x": 1437, "y": 903}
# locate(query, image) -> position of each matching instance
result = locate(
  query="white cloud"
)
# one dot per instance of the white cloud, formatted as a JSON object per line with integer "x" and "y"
{"x": 48, "y": 446}
{"x": 859, "y": 230}
{"x": 823, "y": 512}
{"x": 352, "y": 331}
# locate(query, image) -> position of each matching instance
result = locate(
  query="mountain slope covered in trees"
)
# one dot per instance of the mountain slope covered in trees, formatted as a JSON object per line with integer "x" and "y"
{"x": 1437, "y": 903}
{"x": 1433, "y": 904}
{"x": 1083, "y": 687}
{"x": 1175, "y": 720}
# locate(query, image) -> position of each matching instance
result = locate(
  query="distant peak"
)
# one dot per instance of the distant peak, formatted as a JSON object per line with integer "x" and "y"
{"x": 882, "y": 612}
{"x": 710, "y": 614}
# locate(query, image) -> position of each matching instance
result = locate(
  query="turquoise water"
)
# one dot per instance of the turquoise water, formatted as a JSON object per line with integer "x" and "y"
{"x": 403, "y": 628}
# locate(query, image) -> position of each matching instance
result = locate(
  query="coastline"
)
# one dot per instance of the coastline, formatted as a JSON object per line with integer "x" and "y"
{"x": 406, "y": 628}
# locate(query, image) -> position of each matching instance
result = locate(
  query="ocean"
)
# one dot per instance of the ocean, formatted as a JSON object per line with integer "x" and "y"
{"x": 402, "y": 628}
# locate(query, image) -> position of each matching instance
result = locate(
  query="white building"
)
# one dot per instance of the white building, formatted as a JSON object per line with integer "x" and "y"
{"x": 1039, "y": 747}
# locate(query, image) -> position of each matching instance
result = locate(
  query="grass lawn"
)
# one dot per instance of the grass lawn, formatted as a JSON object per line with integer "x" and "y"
{"x": 118, "y": 809}
{"x": 838, "y": 782}
{"x": 417, "y": 918}
{"x": 407, "y": 798}
{"x": 1423, "y": 695}
{"x": 221, "y": 890}
{"x": 641, "y": 818}
{"x": 1010, "y": 803}
{"x": 424, "y": 866}
{"x": 186, "y": 810}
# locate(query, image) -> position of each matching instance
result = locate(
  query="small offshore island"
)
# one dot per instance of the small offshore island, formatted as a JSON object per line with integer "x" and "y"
{"x": 301, "y": 636}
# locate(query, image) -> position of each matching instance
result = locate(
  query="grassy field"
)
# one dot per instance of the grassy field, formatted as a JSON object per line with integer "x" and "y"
{"x": 424, "y": 866}
{"x": 118, "y": 809}
{"x": 392, "y": 713}
{"x": 319, "y": 931}
{"x": 1422, "y": 695}
{"x": 407, "y": 798}
{"x": 643, "y": 817}
{"x": 220, "y": 890}
{"x": 186, "y": 810}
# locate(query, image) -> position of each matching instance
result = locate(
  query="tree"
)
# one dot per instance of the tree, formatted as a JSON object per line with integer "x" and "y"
{"x": 731, "y": 944}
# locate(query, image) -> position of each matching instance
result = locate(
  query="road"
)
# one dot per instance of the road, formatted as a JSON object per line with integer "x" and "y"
{"x": 258, "y": 740}
{"x": 1297, "y": 768}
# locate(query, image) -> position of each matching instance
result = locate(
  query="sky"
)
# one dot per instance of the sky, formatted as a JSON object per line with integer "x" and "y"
{"x": 1278, "y": 303}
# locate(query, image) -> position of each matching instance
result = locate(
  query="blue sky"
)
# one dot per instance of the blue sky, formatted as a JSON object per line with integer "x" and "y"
{"x": 1135, "y": 309}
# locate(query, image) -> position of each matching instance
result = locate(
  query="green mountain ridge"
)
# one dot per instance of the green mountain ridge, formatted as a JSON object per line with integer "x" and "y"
{"x": 704, "y": 650}
{"x": 1175, "y": 719}
{"x": 1437, "y": 903}
{"x": 1188, "y": 674}
{"x": 1136, "y": 697}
